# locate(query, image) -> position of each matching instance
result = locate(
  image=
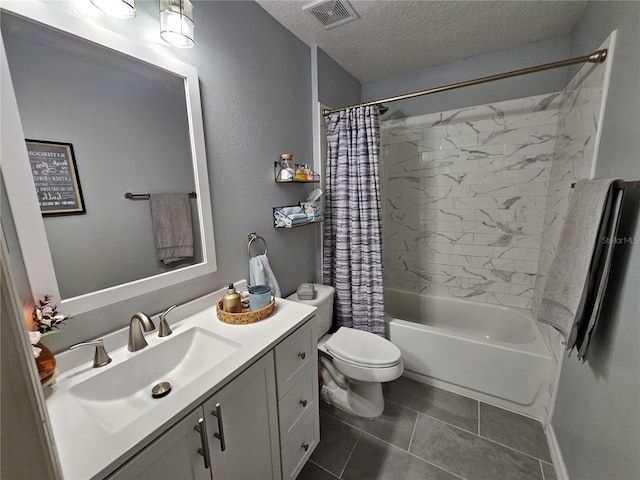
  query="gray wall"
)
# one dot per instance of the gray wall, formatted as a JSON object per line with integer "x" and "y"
{"x": 256, "y": 89}
{"x": 482, "y": 65}
{"x": 336, "y": 87}
{"x": 597, "y": 413}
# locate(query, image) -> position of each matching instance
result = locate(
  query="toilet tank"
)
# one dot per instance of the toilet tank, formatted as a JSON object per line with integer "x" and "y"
{"x": 323, "y": 300}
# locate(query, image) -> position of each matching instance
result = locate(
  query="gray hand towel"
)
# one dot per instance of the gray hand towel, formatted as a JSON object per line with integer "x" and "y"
{"x": 171, "y": 216}
{"x": 578, "y": 275}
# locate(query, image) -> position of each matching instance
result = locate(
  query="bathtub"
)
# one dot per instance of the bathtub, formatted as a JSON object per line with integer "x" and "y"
{"x": 492, "y": 353}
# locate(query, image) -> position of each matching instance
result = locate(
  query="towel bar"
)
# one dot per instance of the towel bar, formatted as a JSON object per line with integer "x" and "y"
{"x": 252, "y": 238}
{"x": 145, "y": 196}
{"x": 622, "y": 184}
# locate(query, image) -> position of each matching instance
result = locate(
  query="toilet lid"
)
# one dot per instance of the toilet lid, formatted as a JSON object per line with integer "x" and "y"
{"x": 362, "y": 348}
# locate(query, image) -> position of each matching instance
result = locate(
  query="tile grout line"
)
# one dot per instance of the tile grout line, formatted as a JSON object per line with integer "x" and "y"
{"x": 360, "y": 432}
{"x": 350, "y": 454}
{"x": 415, "y": 424}
{"x": 541, "y": 469}
{"x": 485, "y": 438}
{"x": 444, "y": 422}
{"x": 414, "y": 456}
{"x": 425, "y": 414}
{"x": 321, "y": 467}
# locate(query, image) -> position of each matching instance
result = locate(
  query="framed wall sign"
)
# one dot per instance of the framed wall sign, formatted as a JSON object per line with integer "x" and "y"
{"x": 53, "y": 166}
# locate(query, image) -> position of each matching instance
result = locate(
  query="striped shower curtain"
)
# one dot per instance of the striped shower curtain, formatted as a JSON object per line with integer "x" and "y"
{"x": 352, "y": 242}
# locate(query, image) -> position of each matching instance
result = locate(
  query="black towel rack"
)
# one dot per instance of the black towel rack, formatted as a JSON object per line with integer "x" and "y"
{"x": 622, "y": 184}
{"x": 145, "y": 196}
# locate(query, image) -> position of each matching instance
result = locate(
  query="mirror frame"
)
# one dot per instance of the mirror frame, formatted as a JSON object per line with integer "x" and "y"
{"x": 20, "y": 187}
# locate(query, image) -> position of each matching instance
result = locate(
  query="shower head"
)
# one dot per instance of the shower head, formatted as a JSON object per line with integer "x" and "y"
{"x": 382, "y": 109}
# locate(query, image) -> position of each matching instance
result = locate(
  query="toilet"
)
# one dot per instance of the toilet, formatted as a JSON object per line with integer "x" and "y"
{"x": 353, "y": 363}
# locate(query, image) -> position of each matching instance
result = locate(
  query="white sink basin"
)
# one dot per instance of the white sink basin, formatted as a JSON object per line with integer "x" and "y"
{"x": 116, "y": 397}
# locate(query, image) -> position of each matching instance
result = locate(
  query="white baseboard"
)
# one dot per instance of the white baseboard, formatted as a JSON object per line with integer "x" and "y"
{"x": 556, "y": 455}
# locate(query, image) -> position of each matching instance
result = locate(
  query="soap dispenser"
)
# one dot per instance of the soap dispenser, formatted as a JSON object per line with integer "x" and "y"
{"x": 231, "y": 301}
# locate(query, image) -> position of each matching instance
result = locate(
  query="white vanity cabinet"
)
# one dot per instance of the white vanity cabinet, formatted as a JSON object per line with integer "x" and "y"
{"x": 296, "y": 360}
{"x": 263, "y": 424}
{"x": 242, "y": 426}
{"x": 242, "y": 439}
{"x": 174, "y": 455}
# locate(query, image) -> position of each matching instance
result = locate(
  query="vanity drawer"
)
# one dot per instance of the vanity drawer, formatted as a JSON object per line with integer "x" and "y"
{"x": 297, "y": 403}
{"x": 301, "y": 446}
{"x": 293, "y": 356}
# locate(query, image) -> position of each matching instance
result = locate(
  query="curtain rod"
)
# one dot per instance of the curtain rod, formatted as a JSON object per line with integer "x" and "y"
{"x": 596, "y": 57}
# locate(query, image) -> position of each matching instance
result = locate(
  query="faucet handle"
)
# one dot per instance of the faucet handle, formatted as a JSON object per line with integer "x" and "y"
{"x": 101, "y": 357}
{"x": 164, "y": 329}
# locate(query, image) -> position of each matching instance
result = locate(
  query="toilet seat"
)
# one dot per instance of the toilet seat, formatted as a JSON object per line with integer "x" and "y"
{"x": 362, "y": 349}
{"x": 368, "y": 374}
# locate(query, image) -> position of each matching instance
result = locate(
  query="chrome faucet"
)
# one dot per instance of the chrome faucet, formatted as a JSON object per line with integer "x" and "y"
{"x": 100, "y": 357}
{"x": 140, "y": 321}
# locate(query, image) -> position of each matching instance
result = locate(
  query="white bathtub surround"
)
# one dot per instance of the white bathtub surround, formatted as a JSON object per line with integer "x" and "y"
{"x": 492, "y": 353}
{"x": 574, "y": 158}
{"x": 464, "y": 196}
{"x": 575, "y": 154}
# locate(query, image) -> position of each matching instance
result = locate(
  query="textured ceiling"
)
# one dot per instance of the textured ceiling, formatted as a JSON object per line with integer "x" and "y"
{"x": 395, "y": 37}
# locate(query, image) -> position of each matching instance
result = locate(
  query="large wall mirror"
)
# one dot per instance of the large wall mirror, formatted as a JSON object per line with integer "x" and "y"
{"x": 134, "y": 119}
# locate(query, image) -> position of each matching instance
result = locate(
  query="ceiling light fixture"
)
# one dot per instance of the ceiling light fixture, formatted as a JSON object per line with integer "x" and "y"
{"x": 116, "y": 8}
{"x": 176, "y": 23}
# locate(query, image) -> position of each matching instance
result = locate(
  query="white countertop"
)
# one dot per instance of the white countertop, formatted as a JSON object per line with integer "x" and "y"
{"x": 86, "y": 450}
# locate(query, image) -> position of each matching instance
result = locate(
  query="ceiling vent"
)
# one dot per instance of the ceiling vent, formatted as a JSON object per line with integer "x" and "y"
{"x": 332, "y": 13}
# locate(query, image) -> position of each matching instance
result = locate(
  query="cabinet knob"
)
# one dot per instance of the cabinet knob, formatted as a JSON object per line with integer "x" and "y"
{"x": 303, "y": 403}
{"x": 305, "y": 446}
{"x": 302, "y": 355}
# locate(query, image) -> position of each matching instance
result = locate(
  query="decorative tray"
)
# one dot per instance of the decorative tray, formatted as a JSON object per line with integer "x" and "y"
{"x": 247, "y": 315}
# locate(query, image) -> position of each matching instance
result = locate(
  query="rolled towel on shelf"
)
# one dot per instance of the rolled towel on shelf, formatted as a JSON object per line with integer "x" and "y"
{"x": 283, "y": 219}
{"x": 297, "y": 216}
{"x": 291, "y": 210}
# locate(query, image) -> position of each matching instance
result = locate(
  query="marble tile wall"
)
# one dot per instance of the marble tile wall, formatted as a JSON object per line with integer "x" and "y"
{"x": 573, "y": 158}
{"x": 464, "y": 199}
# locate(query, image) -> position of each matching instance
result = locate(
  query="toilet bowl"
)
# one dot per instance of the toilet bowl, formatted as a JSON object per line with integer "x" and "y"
{"x": 353, "y": 363}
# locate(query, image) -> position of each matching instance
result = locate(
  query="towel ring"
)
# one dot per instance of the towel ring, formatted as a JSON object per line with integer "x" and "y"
{"x": 252, "y": 238}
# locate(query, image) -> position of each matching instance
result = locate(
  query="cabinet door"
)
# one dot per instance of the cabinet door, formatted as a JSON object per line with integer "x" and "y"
{"x": 174, "y": 455}
{"x": 242, "y": 425}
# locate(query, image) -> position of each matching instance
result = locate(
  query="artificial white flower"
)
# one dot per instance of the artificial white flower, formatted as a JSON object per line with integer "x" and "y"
{"x": 34, "y": 337}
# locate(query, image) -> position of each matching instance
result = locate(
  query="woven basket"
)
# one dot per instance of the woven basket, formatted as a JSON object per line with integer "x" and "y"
{"x": 247, "y": 315}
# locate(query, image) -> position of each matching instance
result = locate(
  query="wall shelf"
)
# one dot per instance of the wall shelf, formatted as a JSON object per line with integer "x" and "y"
{"x": 319, "y": 219}
{"x": 297, "y": 173}
{"x": 281, "y": 220}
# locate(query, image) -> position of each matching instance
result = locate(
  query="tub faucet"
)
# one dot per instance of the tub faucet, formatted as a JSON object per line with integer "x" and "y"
{"x": 140, "y": 321}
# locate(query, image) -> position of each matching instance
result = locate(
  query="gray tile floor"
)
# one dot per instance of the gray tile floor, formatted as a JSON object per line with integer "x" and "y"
{"x": 429, "y": 433}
